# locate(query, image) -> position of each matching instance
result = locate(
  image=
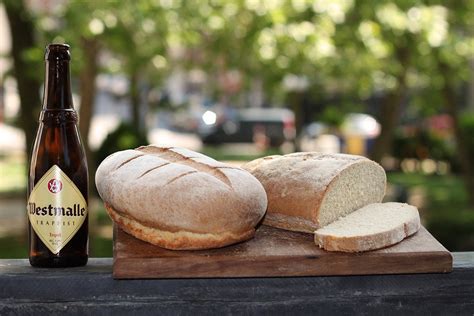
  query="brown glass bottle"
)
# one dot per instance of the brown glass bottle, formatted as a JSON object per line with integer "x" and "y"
{"x": 58, "y": 178}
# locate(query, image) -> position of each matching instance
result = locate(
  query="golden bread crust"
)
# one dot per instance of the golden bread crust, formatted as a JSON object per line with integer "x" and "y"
{"x": 180, "y": 240}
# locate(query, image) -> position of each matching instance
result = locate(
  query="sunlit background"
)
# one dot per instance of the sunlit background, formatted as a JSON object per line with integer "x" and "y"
{"x": 236, "y": 80}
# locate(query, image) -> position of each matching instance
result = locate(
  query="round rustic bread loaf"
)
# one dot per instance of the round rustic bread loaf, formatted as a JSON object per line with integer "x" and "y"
{"x": 180, "y": 199}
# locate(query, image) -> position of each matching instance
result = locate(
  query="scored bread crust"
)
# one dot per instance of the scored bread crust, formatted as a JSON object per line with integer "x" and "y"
{"x": 173, "y": 193}
{"x": 360, "y": 243}
{"x": 179, "y": 240}
{"x": 297, "y": 185}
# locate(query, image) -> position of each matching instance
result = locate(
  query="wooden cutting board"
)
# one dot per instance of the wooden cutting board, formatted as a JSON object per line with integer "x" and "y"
{"x": 274, "y": 252}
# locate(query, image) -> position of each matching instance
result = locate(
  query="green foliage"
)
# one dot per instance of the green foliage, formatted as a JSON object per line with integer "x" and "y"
{"x": 124, "y": 137}
{"x": 12, "y": 178}
{"x": 349, "y": 47}
{"x": 422, "y": 145}
{"x": 13, "y": 247}
{"x": 467, "y": 127}
{"x": 455, "y": 231}
{"x": 446, "y": 212}
{"x": 100, "y": 247}
{"x": 34, "y": 57}
{"x": 333, "y": 116}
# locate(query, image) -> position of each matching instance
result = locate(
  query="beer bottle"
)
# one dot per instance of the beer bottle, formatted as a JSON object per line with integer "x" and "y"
{"x": 58, "y": 176}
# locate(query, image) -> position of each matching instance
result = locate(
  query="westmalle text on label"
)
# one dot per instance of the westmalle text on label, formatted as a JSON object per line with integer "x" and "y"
{"x": 50, "y": 210}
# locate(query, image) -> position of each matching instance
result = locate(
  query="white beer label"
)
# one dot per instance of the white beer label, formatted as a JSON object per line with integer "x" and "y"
{"x": 56, "y": 209}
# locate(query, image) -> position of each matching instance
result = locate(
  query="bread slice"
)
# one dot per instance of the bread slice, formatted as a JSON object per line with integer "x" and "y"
{"x": 309, "y": 190}
{"x": 374, "y": 226}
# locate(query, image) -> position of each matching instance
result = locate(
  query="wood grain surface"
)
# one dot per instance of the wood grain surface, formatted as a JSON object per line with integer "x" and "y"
{"x": 276, "y": 253}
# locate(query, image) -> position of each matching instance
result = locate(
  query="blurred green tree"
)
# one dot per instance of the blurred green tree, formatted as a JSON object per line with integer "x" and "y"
{"x": 411, "y": 53}
{"x": 126, "y": 37}
{"x": 422, "y": 50}
{"x": 451, "y": 71}
{"x": 139, "y": 41}
{"x": 78, "y": 26}
{"x": 76, "y": 23}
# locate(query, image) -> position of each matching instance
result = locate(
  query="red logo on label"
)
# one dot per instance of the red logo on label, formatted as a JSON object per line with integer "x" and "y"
{"x": 55, "y": 185}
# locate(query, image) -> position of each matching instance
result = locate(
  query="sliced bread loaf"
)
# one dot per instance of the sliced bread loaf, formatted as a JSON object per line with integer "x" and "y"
{"x": 309, "y": 190}
{"x": 374, "y": 226}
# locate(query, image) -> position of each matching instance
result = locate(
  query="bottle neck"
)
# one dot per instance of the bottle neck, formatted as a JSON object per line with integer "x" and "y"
{"x": 57, "y": 88}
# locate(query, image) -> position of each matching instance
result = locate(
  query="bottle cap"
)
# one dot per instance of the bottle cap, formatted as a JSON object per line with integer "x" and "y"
{"x": 57, "y": 52}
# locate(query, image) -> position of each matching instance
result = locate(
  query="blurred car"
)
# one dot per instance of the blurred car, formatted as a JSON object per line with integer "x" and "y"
{"x": 273, "y": 126}
{"x": 360, "y": 131}
{"x": 317, "y": 137}
{"x": 355, "y": 135}
{"x": 360, "y": 124}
